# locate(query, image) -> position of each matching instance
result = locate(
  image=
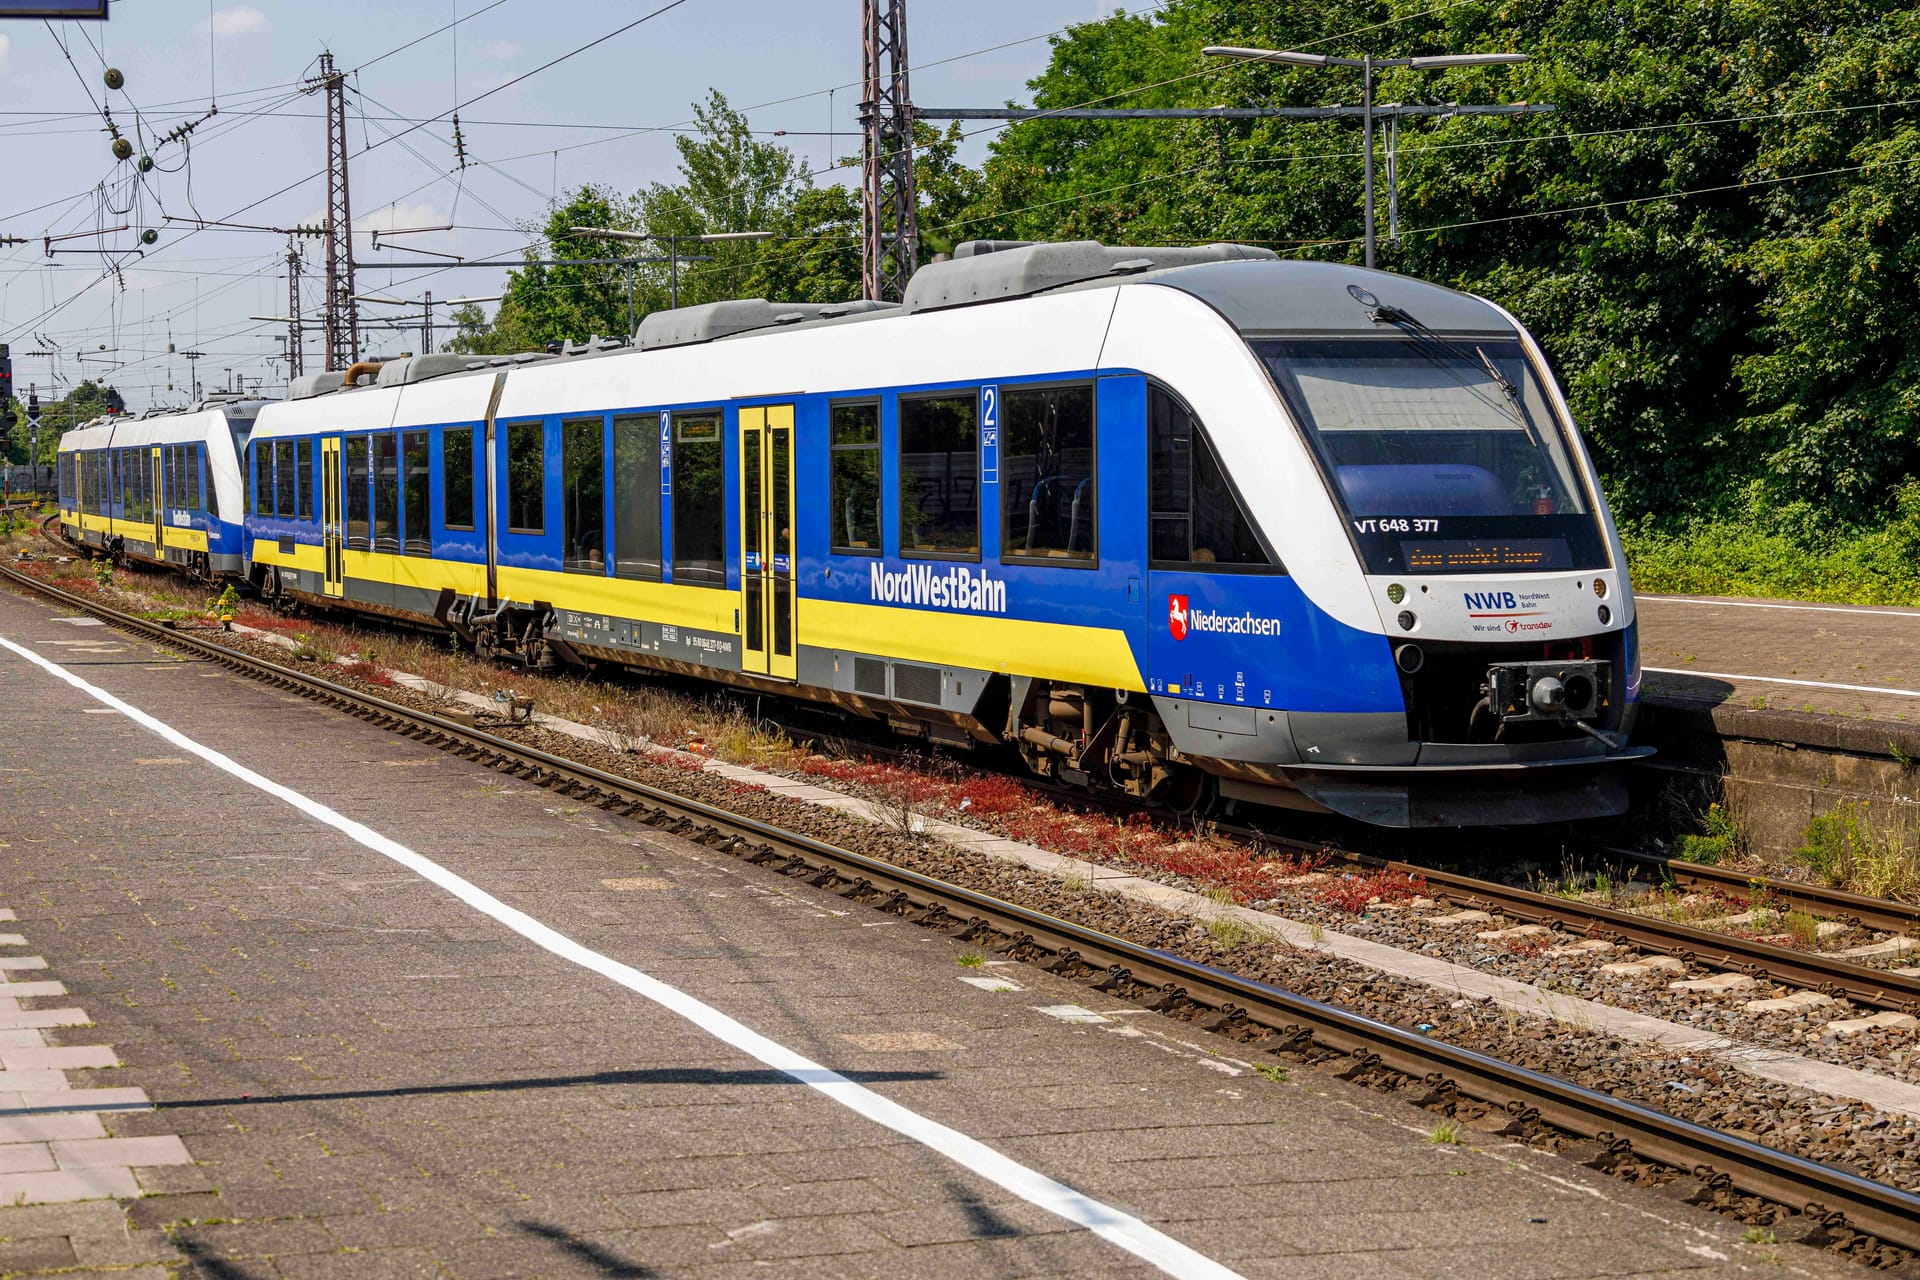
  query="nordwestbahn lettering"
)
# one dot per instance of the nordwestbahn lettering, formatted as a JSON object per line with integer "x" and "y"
{"x": 956, "y": 587}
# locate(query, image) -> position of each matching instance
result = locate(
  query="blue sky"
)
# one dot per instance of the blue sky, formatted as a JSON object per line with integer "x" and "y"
{"x": 177, "y": 57}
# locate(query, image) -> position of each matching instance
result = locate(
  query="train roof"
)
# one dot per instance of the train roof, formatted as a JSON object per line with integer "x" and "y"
{"x": 203, "y": 421}
{"x": 1253, "y": 289}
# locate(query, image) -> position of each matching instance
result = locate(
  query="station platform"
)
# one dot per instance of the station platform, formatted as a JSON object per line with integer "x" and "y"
{"x": 358, "y": 1069}
{"x": 1855, "y": 661}
{"x": 1781, "y": 710}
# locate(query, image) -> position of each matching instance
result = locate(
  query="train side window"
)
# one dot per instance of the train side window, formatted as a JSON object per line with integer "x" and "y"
{"x": 636, "y": 497}
{"x": 386, "y": 492}
{"x": 286, "y": 482}
{"x": 583, "y": 493}
{"x": 1047, "y": 487}
{"x": 1195, "y": 516}
{"x": 193, "y": 477}
{"x": 456, "y": 477}
{"x": 527, "y": 477}
{"x": 699, "y": 477}
{"x": 940, "y": 475}
{"x": 169, "y": 480}
{"x": 303, "y": 452}
{"x": 358, "y": 472}
{"x": 855, "y": 511}
{"x": 414, "y": 524}
{"x": 261, "y": 481}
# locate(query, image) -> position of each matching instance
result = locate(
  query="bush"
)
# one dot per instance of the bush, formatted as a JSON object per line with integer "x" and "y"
{"x": 1764, "y": 547}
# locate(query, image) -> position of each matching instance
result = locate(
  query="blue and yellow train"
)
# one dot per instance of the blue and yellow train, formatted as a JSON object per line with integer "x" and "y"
{"x": 1169, "y": 520}
{"x": 163, "y": 488}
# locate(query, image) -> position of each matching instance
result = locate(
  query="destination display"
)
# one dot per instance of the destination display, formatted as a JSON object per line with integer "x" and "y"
{"x": 1490, "y": 555}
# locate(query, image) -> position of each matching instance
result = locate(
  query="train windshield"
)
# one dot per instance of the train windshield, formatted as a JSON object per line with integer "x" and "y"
{"x": 1443, "y": 452}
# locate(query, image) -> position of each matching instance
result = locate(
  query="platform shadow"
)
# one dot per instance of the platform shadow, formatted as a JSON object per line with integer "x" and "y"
{"x": 606, "y": 1262}
{"x": 658, "y": 1075}
{"x": 1690, "y": 690}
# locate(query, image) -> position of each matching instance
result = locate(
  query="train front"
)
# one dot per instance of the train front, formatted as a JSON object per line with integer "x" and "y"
{"x": 1466, "y": 653}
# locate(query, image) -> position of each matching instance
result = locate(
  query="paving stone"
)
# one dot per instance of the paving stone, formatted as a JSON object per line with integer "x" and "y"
{"x": 25, "y": 1157}
{"x": 55, "y": 1127}
{"x": 61, "y": 1058}
{"x": 1885, "y": 1020}
{"x": 47, "y": 1253}
{"x": 22, "y": 962}
{"x": 100, "y": 1153}
{"x": 1643, "y": 966}
{"x": 12, "y": 940}
{"x": 1791, "y": 1003}
{"x": 1715, "y": 985}
{"x": 66, "y": 1184}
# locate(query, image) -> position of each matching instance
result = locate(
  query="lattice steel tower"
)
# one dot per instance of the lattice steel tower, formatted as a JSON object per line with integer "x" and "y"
{"x": 296, "y": 339}
{"x": 890, "y": 231}
{"x": 342, "y": 313}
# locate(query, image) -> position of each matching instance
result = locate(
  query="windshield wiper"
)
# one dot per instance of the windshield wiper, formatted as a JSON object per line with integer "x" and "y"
{"x": 1387, "y": 313}
{"x": 1512, "y": 392}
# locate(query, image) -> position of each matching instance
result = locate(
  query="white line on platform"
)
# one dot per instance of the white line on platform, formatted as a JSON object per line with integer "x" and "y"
{"x": 1805, "y": 684}
{"x": 1793, "y": 608}
{"x": 1112, "y": 1225}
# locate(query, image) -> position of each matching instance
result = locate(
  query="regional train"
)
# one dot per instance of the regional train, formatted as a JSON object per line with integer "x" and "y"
{"x": 1174, "y": 522}
{"x": 163, "y": 488}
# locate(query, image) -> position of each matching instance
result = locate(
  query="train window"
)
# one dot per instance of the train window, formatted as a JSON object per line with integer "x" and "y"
{"x": 940, "y": 476}
{"x": 358, "y": 471}
{"x": 583, "y": 493}
{"x": 456, "y": 477}
{"x": 170, "y": 477}
{"x": 260, "y": 461}
{"x": 855, "y": 513}
{"x": 415, "y": 521}
{"x": 636, "y": 497}
{"x": 286, "y": 483}
{"x": 1047, "y": 488}
{"x": 527, "y": 477}
{"x": 386, "y": 493}
{"x": 193, "y": 478}
{"x": 699, "y": 536}
{"x": 1196, "y": 517}
{"x": 303, "y": 454}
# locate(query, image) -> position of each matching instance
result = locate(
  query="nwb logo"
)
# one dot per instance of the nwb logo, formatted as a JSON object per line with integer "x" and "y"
{"x": 1490, "y": 600}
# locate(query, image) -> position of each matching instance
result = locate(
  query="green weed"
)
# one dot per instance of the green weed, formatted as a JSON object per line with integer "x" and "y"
{"x": 1446, "y": 1134}
{"x": 971, "y": 958}
{"x": 1719, "y": 839}
{"x": 1842, "y": 848}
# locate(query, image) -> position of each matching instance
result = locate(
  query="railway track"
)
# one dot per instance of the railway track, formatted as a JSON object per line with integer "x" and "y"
{"x": 1865, "y": 1218}
{"x": 1813, "y": 970}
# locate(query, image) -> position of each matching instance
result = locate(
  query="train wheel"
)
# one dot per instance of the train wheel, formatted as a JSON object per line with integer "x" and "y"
{"x": 1190, "y": 791}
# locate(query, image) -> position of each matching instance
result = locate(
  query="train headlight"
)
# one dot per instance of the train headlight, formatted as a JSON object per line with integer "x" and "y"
{"x": 1599, "y": 588}
{"x": 1407, "y": 620}
{"x": 1606, "y": 615}
{"x": 1396, "y": 592}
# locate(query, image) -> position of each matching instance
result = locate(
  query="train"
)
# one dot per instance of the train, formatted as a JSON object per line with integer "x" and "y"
{"x": 162, "y": 488}
{"x": 1186, "y": 524}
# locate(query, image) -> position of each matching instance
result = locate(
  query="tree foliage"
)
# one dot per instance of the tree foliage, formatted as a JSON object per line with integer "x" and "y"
{"x": 1713, "y": 234}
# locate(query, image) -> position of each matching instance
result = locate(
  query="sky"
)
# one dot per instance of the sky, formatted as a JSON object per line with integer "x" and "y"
{"x": 604, "y": 116}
